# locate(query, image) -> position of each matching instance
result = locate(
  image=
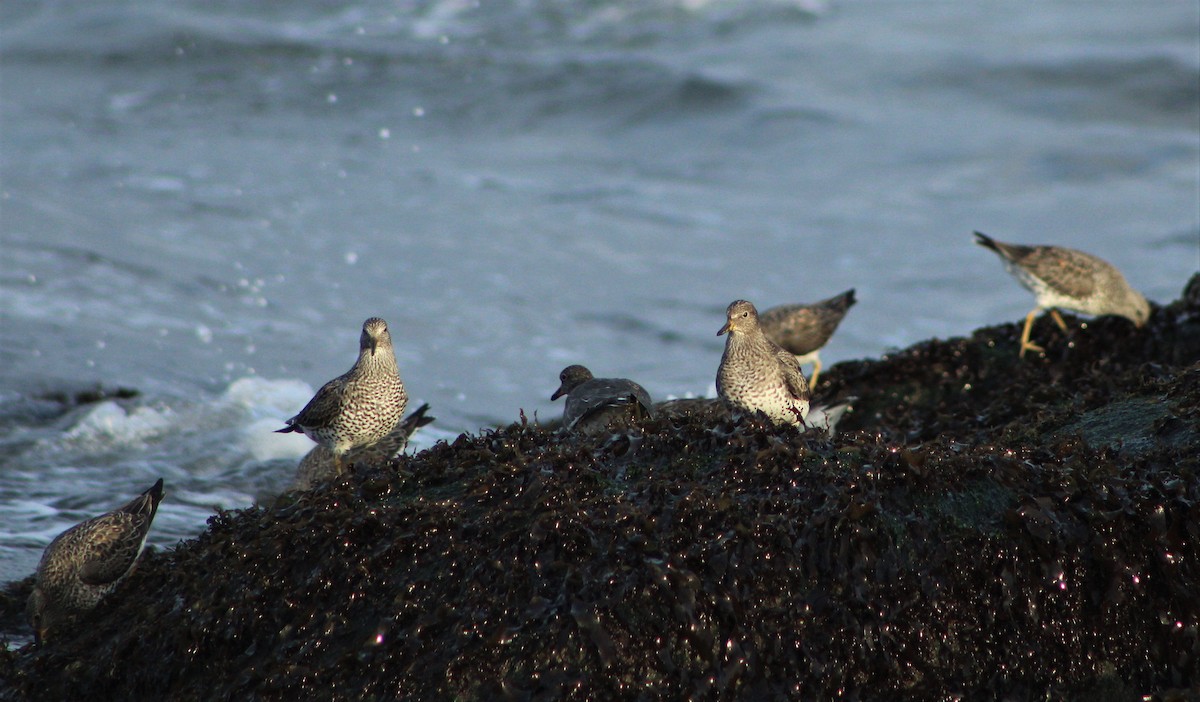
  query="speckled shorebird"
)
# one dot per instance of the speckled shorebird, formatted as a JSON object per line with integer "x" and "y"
{"x": 595, "y": 405}
{"x": 87, "y": 562}
{"x": 360, "y": 406}
{"x": 805, "y": 329}
{"x": 1068, "y": 279}
{"x": 320, "y": 464}
{"x": 756, "y": 374}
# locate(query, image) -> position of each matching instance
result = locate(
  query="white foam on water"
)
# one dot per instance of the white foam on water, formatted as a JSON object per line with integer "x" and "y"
{"x": 111, "y": 424}
{"x": 264, "y": 405}
{"x": 260, "y": 440}
{"x": 262, "y": 397}
{"x": 236, "y": 425}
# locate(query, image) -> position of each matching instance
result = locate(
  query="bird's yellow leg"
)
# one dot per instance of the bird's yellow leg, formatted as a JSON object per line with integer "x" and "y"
{"x": 1058, "y": 318}
{"x": 1026, "y": 344}
{"x": 812, "y": 383}
{"x": 339, "y": 465}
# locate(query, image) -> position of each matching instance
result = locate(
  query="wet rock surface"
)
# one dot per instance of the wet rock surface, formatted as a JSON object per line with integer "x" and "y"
{"x": 982, "y": 526}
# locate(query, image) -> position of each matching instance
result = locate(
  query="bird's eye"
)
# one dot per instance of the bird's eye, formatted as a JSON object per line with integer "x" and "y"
{"x": 745, "y": 314}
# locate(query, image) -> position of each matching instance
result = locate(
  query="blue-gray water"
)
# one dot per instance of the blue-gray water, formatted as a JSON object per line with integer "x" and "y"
{"x": 203, "y": 200}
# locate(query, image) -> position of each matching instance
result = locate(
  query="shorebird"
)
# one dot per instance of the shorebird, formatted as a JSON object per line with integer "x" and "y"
{"x": 319, "y": 463}
{"x": 87, "y": 562}
{"x": 1067, "y": 279}
{"x": 805, "y": 329}
{"x": 362, "y": 405}
{"x": 595, "y": 405}
{"x": 756, "y": 374}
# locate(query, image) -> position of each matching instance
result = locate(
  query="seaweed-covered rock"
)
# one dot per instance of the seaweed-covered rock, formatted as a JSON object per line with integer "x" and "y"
{"x": 982, "y": 526}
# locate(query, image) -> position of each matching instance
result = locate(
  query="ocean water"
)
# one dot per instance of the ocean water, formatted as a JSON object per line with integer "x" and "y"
{"x": 202, "y": 201}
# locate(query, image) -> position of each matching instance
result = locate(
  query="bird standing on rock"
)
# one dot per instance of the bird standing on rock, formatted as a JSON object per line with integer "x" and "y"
{"x": 805, "y": 329}
{"x": 361, "y": 406}
{"x": 87, "y": 562}
{"x": 1067, "y": 279}
{"x": 756, "y": 374}
{"x": 596, "y": 405}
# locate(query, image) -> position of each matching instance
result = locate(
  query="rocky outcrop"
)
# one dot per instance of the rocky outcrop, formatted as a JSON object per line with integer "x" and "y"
{"x": 982, "y": 526}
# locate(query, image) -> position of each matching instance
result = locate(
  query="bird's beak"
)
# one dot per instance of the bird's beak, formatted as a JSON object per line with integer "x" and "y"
{"x": 374, "y": 345}
{"x": 727, "y": 327}
{"x": 558, "y": 393}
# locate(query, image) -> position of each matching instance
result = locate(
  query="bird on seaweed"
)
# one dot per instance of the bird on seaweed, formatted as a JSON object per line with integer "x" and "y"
{"x": 805, "y": 329}
{"x": 1062, "y": 278}
{"x": 596, "y": 405}
{"x": 756, "y": 374}
{"x": 319, "y": 464}
{"x": 359, "y": 407}
{"x": 87, "y": 562}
